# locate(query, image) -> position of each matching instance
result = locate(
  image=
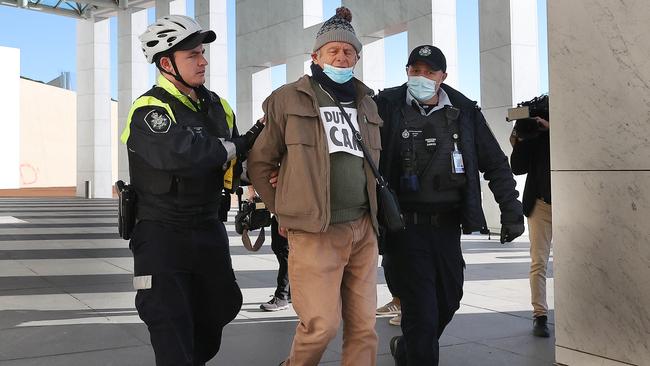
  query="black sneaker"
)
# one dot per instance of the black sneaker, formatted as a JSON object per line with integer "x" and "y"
{"x": 275, "y": 304}
{"x": 393, "y": 348}
{"x": 540, "y": 329}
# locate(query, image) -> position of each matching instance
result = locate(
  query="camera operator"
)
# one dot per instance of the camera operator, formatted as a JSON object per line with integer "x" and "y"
{"x": 531, "y": 154}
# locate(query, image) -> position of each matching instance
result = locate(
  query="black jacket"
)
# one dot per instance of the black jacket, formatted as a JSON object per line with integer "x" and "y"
{"x": 480, "y": 149}
{"x": 533, "y": 157}
{"x": 175, "y": 157}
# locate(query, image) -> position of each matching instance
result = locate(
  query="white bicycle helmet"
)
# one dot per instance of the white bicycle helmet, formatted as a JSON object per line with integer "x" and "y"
{"x": 171, "y": 30}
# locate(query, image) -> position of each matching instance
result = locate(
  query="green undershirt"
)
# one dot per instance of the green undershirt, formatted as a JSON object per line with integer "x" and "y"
{"x": 348, "y": 194}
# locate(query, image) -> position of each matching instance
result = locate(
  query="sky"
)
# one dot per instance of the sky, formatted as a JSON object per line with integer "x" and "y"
{"x": 49, "y": 48}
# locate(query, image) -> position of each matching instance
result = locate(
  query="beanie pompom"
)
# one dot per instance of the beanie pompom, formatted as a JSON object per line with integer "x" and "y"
{"x": 338, "y": 29}
{"x": 344, "y": 13}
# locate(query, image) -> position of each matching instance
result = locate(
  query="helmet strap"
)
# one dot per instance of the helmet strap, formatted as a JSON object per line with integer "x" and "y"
{"x": 177, "y": 74}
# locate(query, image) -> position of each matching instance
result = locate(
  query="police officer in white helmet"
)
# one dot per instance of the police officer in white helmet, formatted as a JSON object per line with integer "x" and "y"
{"x": 184, "y": 154}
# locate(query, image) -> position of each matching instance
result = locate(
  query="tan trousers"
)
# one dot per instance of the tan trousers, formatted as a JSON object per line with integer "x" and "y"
{"x": 333, "y": 275}
{"x": 541, "y": 233}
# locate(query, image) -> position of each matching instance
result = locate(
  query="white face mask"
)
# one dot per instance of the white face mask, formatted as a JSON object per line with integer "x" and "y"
{"x": 421, "y": 88}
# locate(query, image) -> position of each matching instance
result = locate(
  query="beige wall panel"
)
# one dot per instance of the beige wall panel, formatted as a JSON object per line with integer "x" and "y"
{"x": 602, "y": 265}
{"x": 48, "y": 135}
{"x": 48, "y": 138}
{"x": 599, "y": 67}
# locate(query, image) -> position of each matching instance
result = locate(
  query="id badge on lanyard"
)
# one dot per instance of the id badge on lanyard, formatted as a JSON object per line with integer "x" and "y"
{"x": 457, "y": 165}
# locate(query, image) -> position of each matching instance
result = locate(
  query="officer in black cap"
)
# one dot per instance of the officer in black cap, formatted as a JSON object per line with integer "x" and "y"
{"x": 435, "y": 142}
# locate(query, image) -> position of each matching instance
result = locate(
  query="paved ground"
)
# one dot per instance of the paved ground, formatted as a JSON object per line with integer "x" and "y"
{"x": 66, "y": 297}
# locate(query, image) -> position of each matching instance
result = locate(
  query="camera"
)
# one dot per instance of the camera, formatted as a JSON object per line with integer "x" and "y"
{"x": 526, "y": 127}
{"x": 252, "y": 215}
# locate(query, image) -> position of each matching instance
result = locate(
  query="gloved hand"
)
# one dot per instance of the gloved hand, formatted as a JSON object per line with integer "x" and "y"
{"x": 245, "y": 142}
{"x": 241, "y": 146}
{"x": 510, "y": 232}
{"x": 251, "y": 135}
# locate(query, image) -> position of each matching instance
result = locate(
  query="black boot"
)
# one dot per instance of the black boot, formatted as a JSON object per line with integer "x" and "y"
{"x": 393, "y": 350}
{"x": 540, "y": 329}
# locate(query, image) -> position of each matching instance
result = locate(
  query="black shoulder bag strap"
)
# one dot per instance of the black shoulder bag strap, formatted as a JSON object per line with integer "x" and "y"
{"x": 390, "y": 215}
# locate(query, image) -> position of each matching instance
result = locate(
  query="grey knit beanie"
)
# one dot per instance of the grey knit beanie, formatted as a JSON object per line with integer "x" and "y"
{"x": 338, "y": 29}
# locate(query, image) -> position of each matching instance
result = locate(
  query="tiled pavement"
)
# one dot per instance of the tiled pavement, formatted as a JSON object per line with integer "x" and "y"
{"x": 66, "y": 297}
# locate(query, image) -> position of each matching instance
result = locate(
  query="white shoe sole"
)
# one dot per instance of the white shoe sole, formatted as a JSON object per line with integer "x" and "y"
{"x": 277, "y": 309}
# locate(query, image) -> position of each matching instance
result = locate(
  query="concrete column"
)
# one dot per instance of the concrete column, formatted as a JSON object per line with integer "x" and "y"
{"x": 249, "y": 99}
{"x": 312, "y": 12}
{"x": 93, "y": 108}
{"x": 166, "y": 7}
{"x": 509, "y": 73}
{"x": 212, "y": 14}
{"x": 437, "y": 27}
{"x": 262, "y": 88}
{"x": 298, "y": 66}
{"x": 178, "y": 7}
{"x": 162, "y": 8}
{"x": 600, "y": 160}
{"x": 10, "y": 97}
{"x": 133, "y": 74}
{"x": 372, "y": 66}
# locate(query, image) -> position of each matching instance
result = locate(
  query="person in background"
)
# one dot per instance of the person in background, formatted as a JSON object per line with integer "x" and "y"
{"x": 531, "y": 155}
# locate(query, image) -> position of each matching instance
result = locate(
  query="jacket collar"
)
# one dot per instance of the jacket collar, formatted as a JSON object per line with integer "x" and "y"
{"x": 457, "y": 98}
{"x": 171, "y": 89}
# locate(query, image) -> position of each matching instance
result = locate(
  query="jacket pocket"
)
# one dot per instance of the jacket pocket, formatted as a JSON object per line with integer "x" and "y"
{"x": 300, "y": 168}
{"x": 301, "y": 130}
{"x": 374, "y": 138}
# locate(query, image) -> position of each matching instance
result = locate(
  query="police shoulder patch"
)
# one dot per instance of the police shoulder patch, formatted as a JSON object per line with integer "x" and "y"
{"x": 158, "y": 122}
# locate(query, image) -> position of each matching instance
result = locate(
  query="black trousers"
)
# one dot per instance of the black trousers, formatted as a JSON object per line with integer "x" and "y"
{"x": 280, "y": 247}
{"x": 386, "y": 263}
{"x": 425, "y": 266}
{"x": 193, "y": 293}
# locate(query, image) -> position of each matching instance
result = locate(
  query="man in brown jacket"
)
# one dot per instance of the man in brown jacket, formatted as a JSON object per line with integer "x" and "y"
{"x": 325, "y": 198}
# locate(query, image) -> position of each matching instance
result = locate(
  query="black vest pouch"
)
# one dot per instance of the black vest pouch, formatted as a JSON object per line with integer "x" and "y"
{"x": 435, "y": 138}
{"x": 190, "y": 186}
{"x": 149, "y": 179}
{"x": 446, "y": 178}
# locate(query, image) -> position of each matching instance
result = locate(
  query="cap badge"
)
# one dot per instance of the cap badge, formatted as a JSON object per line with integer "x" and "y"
{"x": 425, "y": 51}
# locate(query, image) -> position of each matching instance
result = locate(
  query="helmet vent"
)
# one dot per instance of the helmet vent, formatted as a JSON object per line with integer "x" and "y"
{"x": 180, "y": 25}
{"x": 152, "y": 43}
{"x": 171, "y": 39}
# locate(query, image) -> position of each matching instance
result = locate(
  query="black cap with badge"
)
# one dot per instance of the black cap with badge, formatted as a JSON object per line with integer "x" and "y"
{"x": 430, "y": 55}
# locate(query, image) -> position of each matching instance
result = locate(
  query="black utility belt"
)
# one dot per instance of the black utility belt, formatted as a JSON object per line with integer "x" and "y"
{"x": 185, "y": 223}
{"x": 441, "y": 219}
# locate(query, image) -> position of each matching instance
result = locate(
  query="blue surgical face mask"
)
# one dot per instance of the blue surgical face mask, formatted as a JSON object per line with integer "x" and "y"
{"x": 338, "y": 74}
{"x": 421, "y": 88}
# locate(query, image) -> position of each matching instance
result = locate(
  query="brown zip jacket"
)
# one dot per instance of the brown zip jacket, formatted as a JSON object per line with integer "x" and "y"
{"x": 293, "y": 142}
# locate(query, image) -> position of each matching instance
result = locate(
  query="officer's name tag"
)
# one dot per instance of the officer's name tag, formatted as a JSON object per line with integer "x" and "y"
{"x": 457, "y": 165}
{"x": 142, "y": 282}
